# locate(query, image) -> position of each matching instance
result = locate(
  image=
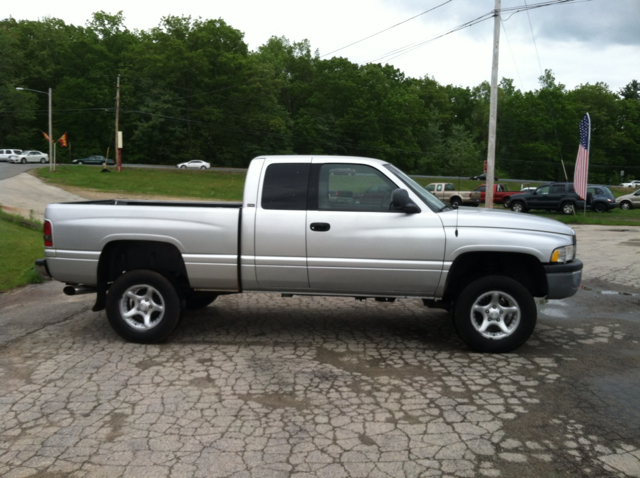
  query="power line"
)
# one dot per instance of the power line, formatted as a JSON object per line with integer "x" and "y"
{"x": 392, "y": 55}
{"x": 386, "y": 29}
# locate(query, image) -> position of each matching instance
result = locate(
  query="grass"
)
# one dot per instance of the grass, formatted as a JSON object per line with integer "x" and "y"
{"x": 205, "y": 185}
{"x": 20, "y": 245}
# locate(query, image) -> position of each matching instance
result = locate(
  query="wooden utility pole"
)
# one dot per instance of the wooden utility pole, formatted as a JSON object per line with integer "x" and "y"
{"x": 493, "y": 108}
{"x": 117, "y": 150}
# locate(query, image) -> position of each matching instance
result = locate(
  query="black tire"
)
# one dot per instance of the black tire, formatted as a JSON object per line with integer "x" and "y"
{"x": 455, "y": 203}
{"x": 24, "y": 161}
{"x": 80, "y": 162}
{"x": 42, "y": 160}
{"x": 199, "y": 300}
{"x": 567, "y": 208}
{"x": 626, "y": 205}
{"x": 505, "y": 203}
{"x": 143, "y": 306}
{"x": 203, "y": 167}
{"x": 495, "y": 314}
{"x": 518, "y": 206}
{"x": 600, "y": 207}
{"x": 183, "y": 167}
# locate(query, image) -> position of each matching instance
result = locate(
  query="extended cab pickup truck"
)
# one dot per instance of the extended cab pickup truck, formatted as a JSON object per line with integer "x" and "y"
{"x": 446, "y": 192}
{"x": 385, "y": 237}
{"x": 500, "y": 193}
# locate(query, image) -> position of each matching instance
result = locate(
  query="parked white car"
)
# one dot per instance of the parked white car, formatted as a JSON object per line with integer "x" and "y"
{"x": 6, "y": 153}
{"x": 631, "y": 184}
{"x": 29, "y": 157}
{"x": 194, "y": 164}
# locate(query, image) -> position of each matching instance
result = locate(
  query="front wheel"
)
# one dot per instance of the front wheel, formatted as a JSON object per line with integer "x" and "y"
{"x": 23, "y": 161}
{"x": 495, "y": 314}
{"x": 143, "y": 306}
{"x": 42, "y": 160}
{"x": 183, "y": 167}
{"x": 625, "y": 205}
{"x": 517, "y": 206}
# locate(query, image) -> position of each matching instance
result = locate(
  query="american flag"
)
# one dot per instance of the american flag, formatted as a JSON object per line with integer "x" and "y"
{"x": 582, "y": 161}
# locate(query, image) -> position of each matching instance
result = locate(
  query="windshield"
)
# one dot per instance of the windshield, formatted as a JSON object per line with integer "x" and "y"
{"x": 429, "y": 199}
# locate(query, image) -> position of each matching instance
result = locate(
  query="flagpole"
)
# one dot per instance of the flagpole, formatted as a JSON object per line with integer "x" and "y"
{"x": 587, "y": 173}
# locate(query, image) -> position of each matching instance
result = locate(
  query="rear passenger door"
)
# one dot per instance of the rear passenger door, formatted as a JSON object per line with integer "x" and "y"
{"x": 280, "y": 232}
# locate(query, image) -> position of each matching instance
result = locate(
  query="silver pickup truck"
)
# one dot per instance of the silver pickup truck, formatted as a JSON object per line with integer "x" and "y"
{"x": 313, "y": 225}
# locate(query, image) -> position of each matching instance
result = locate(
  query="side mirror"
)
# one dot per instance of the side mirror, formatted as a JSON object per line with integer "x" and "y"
{"x": 402, "y": 202}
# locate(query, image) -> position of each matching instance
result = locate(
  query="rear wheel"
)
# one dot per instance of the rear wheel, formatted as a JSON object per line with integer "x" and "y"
{"x": 600, "y": 207}
{"x": 567, "y": 208}
{"x": 203, "y": 167}
{"x": 143, "y": 306}
{"x": 42, "y": 160}
{"x": 625, "y": 205}
{"x": 455, "y": 203}
{"x": 495, "y": 314}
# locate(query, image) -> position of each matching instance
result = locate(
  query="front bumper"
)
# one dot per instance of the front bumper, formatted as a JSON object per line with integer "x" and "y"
{"x": 563, "y": 280}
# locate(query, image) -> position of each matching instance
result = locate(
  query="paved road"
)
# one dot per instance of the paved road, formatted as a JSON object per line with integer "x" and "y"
{"x": 260, "y": 386}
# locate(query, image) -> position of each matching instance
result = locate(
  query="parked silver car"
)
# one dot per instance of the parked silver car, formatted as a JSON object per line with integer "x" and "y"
{"x": 29, "y": 157}
{"x": 629, "y": 201}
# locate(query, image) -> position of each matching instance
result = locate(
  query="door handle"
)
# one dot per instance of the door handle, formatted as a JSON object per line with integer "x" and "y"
{"x": 320, "y": 226}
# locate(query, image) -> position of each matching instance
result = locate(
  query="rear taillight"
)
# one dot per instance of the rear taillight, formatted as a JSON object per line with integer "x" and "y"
{"x": 48, "y": 237}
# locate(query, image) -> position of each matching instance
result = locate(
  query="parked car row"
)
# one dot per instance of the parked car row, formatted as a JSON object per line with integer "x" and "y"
{"x": 19, "y": 156}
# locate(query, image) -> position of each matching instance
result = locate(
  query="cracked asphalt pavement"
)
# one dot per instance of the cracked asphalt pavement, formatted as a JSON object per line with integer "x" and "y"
{"x": 256, "y": 385}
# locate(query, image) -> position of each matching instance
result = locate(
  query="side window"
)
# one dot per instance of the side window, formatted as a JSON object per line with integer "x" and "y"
{"x": 353, "y": 187}
{"x": 430, "y": 187}
{"x": 439, "y": 187}
{"x": 543, "y": 190}
{"x": 557, "y": 189}
{"x": 449, "y": 187}
{"x": 285, "y": 186}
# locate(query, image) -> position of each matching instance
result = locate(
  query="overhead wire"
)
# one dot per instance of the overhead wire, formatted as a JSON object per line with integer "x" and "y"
{"x": 386, "y": 29}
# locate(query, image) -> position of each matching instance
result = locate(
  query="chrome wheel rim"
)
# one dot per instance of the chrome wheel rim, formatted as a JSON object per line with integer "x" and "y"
{"x": 495, "y": 315}
{"x": 517, "y": 207}
{"x": 624, "y": 206}
{"x": 142, "y": 307}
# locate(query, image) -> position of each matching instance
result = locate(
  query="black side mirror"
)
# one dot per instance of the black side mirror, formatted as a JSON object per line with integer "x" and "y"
{"x": 402, "y": 202}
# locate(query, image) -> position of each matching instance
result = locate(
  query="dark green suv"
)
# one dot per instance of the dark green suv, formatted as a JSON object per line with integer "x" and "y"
{"x": 552, "y": 197}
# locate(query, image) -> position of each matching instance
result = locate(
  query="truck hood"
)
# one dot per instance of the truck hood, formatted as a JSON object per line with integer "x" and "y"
{"x": 495, "y": 218}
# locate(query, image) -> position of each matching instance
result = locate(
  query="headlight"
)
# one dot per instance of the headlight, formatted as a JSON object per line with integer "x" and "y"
{"x": 564, "y": 254}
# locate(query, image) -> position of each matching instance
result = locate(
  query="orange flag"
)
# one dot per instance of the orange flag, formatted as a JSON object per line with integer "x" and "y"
{"x": 63, "y": 140}
{"x": 46, "y": 136}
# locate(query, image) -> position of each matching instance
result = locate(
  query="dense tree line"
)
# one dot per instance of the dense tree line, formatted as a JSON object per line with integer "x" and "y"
{"x": 192, "y": 89}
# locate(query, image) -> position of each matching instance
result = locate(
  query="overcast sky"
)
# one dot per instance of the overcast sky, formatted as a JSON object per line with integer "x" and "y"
{"x": 581, "y": 41}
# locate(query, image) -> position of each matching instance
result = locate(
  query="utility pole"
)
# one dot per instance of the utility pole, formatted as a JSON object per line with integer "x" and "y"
{"x": 493, "y": 108}
{"x": 117, "y": 149}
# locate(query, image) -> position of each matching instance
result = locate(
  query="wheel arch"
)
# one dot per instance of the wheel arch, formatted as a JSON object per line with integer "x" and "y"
{"x": 522, "y": 267}
{"x": 121, "y": 256}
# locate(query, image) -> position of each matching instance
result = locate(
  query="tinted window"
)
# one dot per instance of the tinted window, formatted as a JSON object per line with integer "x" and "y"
{"x": 449, "y": 187}
{"x": 557, "y": 188}
{"x": 285, "y": 186}
{"x": 543, "y": 190}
